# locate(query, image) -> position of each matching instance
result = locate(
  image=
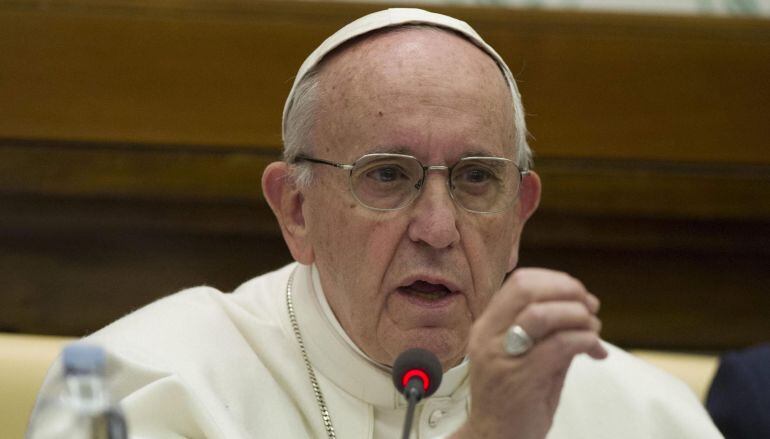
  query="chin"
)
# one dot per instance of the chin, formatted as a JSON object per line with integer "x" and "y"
{"x": 442, "y": 342}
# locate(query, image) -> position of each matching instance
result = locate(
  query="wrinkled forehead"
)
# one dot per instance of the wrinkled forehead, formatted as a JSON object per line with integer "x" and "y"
{"x": 387, "y": 19}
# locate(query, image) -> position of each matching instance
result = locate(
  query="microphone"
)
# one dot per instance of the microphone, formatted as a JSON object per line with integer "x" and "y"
{"x": 417, "y": 375}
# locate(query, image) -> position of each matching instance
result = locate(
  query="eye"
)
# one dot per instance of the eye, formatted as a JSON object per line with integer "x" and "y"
{"x": 386, "y": 173}
{"x": 476, "y": 175}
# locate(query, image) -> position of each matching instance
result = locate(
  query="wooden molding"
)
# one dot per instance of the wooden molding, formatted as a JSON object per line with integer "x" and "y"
{"x": 673, "y": 88}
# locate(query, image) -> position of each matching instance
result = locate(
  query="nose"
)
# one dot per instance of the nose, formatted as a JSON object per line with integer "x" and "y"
{"x": 434, "y": 214}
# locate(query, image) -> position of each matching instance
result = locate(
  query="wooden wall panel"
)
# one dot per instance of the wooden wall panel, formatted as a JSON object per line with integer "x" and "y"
{"x": 133, "y": 135}
{"x": 72, "y": 266}
{"x": 204, "y": 72}
{"x": 133, "y": 171}
{"x": 111, "y": 76}
{"x": 685, "y": 89}
{"x": 228, "y": 173}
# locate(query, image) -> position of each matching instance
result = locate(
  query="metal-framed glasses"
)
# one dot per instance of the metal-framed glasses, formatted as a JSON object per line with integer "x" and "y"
{"x": 387, "y": 181}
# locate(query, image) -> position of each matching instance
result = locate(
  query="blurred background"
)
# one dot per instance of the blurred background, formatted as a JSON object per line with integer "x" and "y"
{"x": 133, "y": 135}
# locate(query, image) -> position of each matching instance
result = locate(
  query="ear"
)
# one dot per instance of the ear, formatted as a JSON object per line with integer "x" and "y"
{"x": 286, "y": 201}
{"x": 529, "y": 200}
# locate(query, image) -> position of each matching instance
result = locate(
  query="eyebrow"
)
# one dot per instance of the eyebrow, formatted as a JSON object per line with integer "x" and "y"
{"x": 477, "y": 153}
{"x": 393, "y": 149}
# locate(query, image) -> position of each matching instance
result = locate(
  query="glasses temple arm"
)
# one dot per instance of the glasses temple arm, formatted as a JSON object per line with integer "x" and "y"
{"x": 301, "y": 158}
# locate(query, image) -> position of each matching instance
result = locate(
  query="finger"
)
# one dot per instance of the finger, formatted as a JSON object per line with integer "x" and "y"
{"x": 593, "y": 303}
{"x": 599, "y": 352}
{"x": 528, "y": 285}
{"x": 541, "y": 319}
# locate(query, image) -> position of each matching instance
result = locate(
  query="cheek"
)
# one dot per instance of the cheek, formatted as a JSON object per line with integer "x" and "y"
{"x": 488, "y": 247}
{"x": 327, "y": 201}
{"x": 355, "y": 244}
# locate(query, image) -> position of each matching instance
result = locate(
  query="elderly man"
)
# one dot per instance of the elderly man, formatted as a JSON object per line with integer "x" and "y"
{"x": 404, "y": 190}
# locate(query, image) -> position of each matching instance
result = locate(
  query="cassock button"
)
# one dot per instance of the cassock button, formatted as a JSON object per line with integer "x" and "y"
{"x": 435, "y": 417}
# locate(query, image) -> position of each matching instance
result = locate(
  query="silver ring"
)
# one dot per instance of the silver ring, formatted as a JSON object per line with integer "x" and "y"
{"x": 517, "y": 341}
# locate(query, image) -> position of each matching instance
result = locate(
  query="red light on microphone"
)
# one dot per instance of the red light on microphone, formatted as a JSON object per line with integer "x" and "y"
{"x": 422, "y": 376}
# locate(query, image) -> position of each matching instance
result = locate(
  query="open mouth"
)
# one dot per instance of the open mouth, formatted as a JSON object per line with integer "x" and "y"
{"x": 425, "y": 290}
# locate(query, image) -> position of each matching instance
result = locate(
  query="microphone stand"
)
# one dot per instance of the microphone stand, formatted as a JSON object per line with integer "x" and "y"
{"x": 412, "y": 393}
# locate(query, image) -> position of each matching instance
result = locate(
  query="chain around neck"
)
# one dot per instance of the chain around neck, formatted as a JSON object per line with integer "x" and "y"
{"x": 319, "y": 397}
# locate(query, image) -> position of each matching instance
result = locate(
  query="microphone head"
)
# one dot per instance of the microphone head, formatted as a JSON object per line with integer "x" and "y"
{"x": 418, "y": 363}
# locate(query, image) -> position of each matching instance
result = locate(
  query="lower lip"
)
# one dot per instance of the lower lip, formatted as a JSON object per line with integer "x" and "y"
{"x": 428, "y": 303}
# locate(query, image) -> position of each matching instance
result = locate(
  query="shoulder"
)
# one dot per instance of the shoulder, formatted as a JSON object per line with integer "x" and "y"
{"x": 739, "y": 396}
{"x": 199, "y": 362}
{"x": 623, "y": 395}
{"x": 623, "y": 372}
{"x": 197, "y": 322}
{"x": 622, "y": 378}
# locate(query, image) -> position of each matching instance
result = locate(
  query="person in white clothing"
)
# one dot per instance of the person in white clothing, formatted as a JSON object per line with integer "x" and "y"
{"x": 405, "y": 184}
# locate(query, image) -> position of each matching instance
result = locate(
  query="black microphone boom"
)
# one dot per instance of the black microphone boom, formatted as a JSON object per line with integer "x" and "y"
{"x": 417, "y": 375}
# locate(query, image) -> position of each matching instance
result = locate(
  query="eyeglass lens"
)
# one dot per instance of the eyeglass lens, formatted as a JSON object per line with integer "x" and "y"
{"x": 389, "y": 182}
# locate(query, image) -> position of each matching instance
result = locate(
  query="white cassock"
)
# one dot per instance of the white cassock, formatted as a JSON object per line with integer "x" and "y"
{"x": 203, "y": 364}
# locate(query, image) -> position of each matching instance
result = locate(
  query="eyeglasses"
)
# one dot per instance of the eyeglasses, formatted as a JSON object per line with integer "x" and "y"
{"x": 392, "y": 181}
